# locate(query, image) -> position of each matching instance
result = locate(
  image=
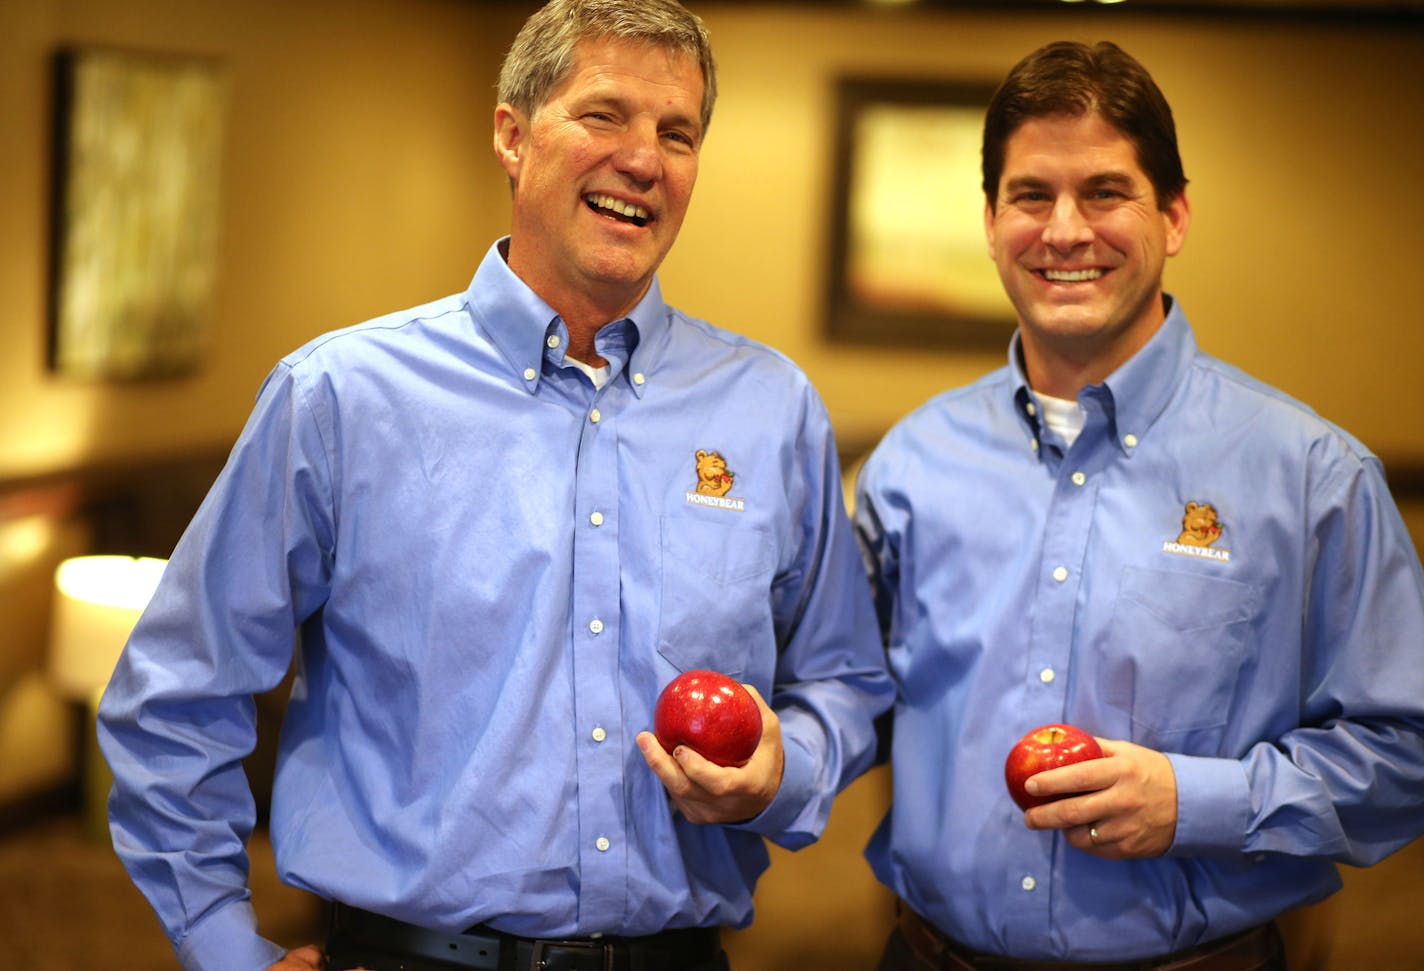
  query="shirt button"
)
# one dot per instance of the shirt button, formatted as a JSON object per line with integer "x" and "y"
{"x": 552, "y": 341}
{"x": 1130, "y": 441}
{"x": 529, "y": 374}
{"x": 1046, "y": 675}
{"x": 1033, "y": 444}
{"x": 599, "y": 734}
{"x": 596, "y": 519}
{"x": 1031, "y": 408}
{"x": 638, "y": 378}
{"x": 602, "y": 844}
{"x": 595, "y": 416}
{"x": 1028, "y": 883}
{"x": 596, "y": 625}
{"x": 1060, "y": 573}
{"x": 1079, "y": 478}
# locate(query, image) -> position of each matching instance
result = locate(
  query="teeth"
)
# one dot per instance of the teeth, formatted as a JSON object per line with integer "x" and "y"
{"x": 1071, "y": 276}
{"x": 615, "y": 205}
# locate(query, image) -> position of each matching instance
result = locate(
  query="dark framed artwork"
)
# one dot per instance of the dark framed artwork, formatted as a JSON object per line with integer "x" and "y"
{"x": 138, "y": 146}
{"x": 909, "y": 263}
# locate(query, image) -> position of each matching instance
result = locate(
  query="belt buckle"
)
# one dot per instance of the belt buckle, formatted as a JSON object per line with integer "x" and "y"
{"x": 541, "y": 947}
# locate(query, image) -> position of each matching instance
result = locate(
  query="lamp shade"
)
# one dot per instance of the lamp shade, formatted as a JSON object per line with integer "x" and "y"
{"x": 97, "y": 601}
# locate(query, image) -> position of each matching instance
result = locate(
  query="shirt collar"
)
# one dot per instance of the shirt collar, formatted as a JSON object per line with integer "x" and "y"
{"x": 647, "y": 336}
{"x": 518, "y": 322}
{"x": 1143, "y": 386}
{"x": 1138, "y": 391}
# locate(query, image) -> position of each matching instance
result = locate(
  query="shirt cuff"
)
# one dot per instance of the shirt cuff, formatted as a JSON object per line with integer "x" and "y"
{"x": 227, "y": 940}
{"x": 1213, "y": 805}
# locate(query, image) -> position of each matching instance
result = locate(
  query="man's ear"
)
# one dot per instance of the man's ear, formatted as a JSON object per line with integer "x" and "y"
{"x": 989, "y": 226}
{"x": 1177, "y": 217}
{"x": 511, "y": 130}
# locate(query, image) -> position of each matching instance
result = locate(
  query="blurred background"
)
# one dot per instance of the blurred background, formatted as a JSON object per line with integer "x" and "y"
{"x": 354, "y": 176}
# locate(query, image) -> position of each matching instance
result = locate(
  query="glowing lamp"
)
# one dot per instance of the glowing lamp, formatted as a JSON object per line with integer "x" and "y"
{"x": 98, "y": 599}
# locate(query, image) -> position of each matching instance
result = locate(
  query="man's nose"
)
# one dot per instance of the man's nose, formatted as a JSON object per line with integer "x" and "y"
{"x": 638, "y": 154}
{"x": 1066, "y": 227}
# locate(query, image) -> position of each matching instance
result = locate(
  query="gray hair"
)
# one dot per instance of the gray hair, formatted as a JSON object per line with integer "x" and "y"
{"x": 543, "y": 53}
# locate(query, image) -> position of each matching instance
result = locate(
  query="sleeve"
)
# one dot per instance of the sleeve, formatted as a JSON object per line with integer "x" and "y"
{"x": 831, "y": 681}
{"x": 1347, "y": 782}
{"x": 178, "y": 715}
{"x": 874, "y": 520}
{"x": 878, "y": 518}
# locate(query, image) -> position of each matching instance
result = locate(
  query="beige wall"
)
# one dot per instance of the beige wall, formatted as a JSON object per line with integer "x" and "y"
{"x": 359, "y": 180}
{"x": 1301, "y": 144}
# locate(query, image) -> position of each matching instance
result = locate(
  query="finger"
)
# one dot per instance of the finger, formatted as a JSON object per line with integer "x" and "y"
{"x": 664, "y": 766}
{"x": 308, "y": 954}
{"x": 1068, "y": 780}
{"x": 1110, "y": 746}
{"x": 702, "y": 772}
{"x": 300, "y": 959}
{"x": 1081, "y": 837}
{"x": 769, "y": 755}
{"x": 761, "y": 704}
{"x": 1069, "y": 812}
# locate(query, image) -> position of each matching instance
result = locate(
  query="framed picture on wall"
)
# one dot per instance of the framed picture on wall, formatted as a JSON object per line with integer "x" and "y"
{"x": 138, "y": 145}
{"x": 909, "y": 263}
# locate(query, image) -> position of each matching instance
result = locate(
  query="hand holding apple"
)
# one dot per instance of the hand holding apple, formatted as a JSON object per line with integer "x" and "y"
{"x": 710, "y": 713}
{"x": 1046, "y": 747}
{"x": 701, "y": 791}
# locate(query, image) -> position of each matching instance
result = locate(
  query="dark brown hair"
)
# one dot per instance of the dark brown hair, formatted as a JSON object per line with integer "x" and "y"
{"x": 1069, "y": 78}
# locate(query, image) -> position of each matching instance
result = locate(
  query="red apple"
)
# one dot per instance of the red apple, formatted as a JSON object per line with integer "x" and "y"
{"x": 1046, "y": 747}
{"x": 711, "y": 714}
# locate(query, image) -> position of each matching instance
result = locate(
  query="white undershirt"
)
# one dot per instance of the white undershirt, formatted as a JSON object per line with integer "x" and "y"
{"x": 598, "y": 375}
{"x": 1063, "y": 416}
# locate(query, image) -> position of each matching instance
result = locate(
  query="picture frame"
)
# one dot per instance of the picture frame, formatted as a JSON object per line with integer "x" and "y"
{"x": 908, "y": 260}
{"x": 138, "y": 142}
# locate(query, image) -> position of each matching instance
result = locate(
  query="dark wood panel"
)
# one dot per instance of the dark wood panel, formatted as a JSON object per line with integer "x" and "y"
{"x": 138, "y": 507}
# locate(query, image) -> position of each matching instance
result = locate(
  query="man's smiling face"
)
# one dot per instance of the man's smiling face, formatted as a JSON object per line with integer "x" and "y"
{"x": 603, "y": 173}
{"x": 1080, "y": 243}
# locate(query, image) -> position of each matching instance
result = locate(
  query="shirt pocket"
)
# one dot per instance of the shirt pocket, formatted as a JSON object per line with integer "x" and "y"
{"x": 715, "y": 603}
{"x": 1174, "y": 656}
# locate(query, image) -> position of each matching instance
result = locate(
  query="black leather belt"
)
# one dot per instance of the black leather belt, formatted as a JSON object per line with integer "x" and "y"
{"x": 379, "y": 943}
{"x": 1259, "y": 947}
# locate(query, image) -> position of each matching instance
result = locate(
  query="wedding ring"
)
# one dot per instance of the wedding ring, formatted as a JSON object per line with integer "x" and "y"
{"x": 1093, "y": 835}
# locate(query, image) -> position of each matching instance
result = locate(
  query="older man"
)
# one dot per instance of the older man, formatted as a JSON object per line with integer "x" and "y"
{"x": 483, "y": 516}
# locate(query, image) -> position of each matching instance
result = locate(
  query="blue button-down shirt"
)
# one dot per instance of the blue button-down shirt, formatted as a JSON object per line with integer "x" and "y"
{"x": 494, "y": 568}
{"x": 1281, "y": 665}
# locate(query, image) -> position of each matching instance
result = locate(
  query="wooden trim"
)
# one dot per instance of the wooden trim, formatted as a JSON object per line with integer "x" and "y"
{"x": 1405, "y": 478}
{"x": 138, "y": 506}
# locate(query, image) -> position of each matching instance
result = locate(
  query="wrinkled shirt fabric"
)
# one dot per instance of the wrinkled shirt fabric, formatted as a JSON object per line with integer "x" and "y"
{"x": 494, "y": 569}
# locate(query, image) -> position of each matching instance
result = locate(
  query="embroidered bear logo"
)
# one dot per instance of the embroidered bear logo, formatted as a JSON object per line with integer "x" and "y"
{"x": 713, "y": 476}
{"x": 1200, "y": 527}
